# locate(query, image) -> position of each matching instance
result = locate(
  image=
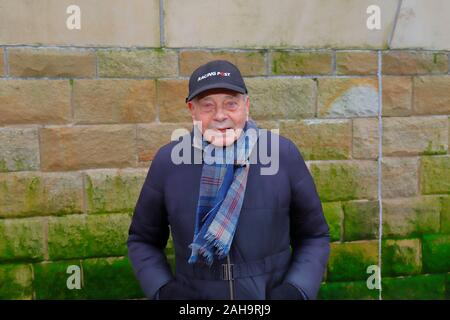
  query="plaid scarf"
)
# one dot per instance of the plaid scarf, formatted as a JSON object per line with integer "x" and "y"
{"x": 222, "y": 189}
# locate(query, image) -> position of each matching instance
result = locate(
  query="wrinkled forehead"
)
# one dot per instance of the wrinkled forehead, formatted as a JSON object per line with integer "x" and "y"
{"x": 212, "y": 93}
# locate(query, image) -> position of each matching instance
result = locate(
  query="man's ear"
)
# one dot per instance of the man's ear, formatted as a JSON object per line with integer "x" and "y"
{"x": 190, "y": 106}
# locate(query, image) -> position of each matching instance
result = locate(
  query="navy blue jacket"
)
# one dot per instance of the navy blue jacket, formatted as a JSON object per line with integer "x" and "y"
{"x": 281, "y": 236}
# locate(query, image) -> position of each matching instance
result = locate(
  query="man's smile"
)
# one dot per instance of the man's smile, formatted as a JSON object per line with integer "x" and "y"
{"x": 223, "y": 130}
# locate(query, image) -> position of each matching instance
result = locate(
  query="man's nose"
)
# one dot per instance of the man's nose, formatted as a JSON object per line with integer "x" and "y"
{"x": 220, "y": 115}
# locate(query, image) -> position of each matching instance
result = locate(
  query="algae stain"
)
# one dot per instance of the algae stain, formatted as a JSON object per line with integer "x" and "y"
{"x": 431, "y": 150}
{"x": 3, "y": 167}
{"x": 32, "y": 193}
{"x": 95, "y": 198}
{"x": 159, "y": 50}
{"x": 435, "y": 55}
{"x": 20, "y": 164}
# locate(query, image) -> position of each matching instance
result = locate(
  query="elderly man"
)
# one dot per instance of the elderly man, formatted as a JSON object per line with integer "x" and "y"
{"x": 238, "y": 233}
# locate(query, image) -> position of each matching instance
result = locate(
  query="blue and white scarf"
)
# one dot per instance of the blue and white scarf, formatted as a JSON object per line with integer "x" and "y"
{"x": 222, "y": 189}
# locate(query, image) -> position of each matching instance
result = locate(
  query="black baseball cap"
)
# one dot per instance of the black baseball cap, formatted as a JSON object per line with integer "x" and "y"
{"x": 213, "y": 75}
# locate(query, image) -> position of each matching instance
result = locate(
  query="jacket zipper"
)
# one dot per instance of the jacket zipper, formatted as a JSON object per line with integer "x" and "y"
{"x": 230, "y": 276}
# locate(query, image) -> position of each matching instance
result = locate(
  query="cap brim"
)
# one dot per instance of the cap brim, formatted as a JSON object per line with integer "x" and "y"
{"x": 215, "y": 86}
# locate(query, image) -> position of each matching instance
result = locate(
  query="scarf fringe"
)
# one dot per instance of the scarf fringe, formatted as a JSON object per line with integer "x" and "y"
{"x": 198, "y": 250}
{"x": 220, "y": 246}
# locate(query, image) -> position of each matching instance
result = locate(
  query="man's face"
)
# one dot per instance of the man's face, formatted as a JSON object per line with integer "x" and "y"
{"x": 222, "y": 113}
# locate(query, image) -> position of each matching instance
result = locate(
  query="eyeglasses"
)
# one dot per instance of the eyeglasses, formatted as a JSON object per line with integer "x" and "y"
{"x": 210, "y": 107}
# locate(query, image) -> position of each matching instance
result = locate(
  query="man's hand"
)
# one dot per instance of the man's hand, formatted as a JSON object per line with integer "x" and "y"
{"x": 284, "y": 291}
{"x": 175, "y": 290}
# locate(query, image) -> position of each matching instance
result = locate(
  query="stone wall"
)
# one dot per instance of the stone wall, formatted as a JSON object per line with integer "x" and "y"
{"x": 82, "y": 113}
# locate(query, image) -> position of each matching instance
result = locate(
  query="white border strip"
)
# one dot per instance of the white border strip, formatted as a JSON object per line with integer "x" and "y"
{"x": 380, "y": 158}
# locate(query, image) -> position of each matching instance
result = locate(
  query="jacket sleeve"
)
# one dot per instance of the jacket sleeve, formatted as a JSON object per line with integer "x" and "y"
{"x": 149, "y": 233}
{"x": 309, "y": 232}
